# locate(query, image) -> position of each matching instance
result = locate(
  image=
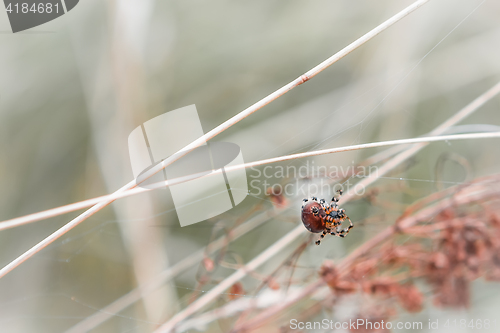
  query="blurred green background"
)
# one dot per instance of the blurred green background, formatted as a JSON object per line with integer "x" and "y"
{"x": 73, "y": 89}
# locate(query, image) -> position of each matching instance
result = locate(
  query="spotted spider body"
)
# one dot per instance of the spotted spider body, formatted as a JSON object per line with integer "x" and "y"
{"x": 320, "y": 217}
{"x": 313, "y": 217}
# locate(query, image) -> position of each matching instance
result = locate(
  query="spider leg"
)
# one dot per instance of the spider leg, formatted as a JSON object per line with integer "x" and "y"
{"x": 335, "y": 200}
{"x": 342, "y": 233}
{"x": 325, "y": 207}
{"x": 334, "y": 206}
{"x": 334, "y": 226}
{"x": 322, "y": 236}
{"x": 304, "y": 202}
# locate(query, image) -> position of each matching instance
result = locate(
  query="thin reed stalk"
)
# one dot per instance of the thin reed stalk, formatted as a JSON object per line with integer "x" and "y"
{"x": 232, "y": 279}
{"x": 466, "y": 111}
{"x": 214, "y": 132}
{"x": 82, "y": 204}
{"x": 136, "y": 294}
{"x": 288, "y": 239}
{"x": 457, "y": 117}
{"x": 404, "y": 223}
{"x": 296, "y": 232}
{"x": 211, "y": 134}
{"x": 133, "y": 296}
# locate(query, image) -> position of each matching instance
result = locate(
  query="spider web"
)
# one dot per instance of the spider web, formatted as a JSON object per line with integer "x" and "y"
{"x": 102, "y": 240}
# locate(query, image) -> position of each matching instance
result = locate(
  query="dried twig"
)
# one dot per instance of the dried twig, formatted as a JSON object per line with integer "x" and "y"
{"x": 78, "y": 205}
{"x": 133, "y": 296}
{"x": 211, "y": 134}
{"x": 425, "y": 214}
{"x": 287, "y": 239}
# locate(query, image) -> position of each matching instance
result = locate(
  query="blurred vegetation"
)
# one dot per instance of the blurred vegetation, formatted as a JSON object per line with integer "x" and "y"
{"x": 73, "y": 89}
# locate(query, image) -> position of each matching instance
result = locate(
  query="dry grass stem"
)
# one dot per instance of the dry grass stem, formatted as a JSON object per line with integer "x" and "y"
{"x": 86, "y": 203}
{"x": 211, "y": 134}
{"x": 135, "y": 295}
{"x": 477, "y": 191}
{"x": 391, "y": 164}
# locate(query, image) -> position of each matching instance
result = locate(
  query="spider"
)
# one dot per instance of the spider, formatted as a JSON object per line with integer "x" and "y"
{"x": 320, "y": 217}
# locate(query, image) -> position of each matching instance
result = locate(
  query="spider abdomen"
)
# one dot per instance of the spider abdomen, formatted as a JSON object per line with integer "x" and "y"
{"x": 313, "y": 217}
{"x": 318, "y": 217}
